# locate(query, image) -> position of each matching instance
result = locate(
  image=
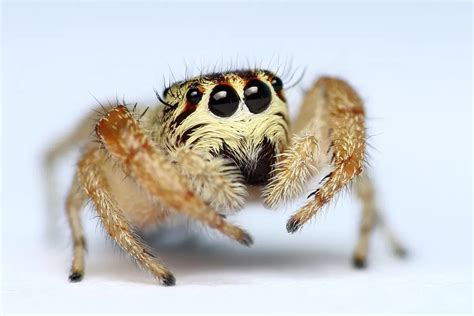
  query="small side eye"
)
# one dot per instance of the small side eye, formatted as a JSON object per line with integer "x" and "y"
{"x": 223, "y": 101}
{"x": 257, "y": 96}
{"x": 165, "y": 92}
{"x": 194, "y": 95}
{"x": 277, "y": 84}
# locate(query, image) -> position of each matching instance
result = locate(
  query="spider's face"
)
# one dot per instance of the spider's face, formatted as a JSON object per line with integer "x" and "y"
{"x": 241, "y": 115}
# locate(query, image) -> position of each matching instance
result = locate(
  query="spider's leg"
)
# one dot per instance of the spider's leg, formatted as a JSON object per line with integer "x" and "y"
{"x": 62, "y": 147}
{"x": 74, "y": 203}
{"x": 371, "y": 217}
{"x": 397, "y": 247}
{"x": 293, "y": 169}
{"x": 154, "y": 172}
{"x": 365, "y": 192}
{"x": 117, "y": 226}
{"x": 346, "y": 137}
{"x": 308, "y": 152}
{"x": 70, "y": 141}
{"x": 216, "y": 180}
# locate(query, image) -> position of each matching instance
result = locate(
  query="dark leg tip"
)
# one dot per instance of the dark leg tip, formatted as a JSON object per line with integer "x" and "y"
{"x": 293, "y": 225}
{"x": 75, "y": 276}
{"x": 359, "y": 263}
{"x": 168, "y": 280}
{"x": 401, "y": 252}
{"x": 246, "y": 240}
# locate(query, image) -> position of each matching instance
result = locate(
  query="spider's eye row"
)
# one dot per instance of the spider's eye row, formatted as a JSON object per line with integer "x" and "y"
{"x": 194, "y": 95}
{"x": 257, "y": 96}
{"x": 277, "y": 84}
{"x": 223, "y": 101}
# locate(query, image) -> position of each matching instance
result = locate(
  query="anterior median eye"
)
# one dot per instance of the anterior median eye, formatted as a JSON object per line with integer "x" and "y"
{"x": 194, "y": 95}
{"x": 223, "y": 101}
{"x": 257, "y": 96}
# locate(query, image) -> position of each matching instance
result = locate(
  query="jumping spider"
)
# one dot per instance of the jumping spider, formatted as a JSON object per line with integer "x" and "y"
{"x": 197, "y": 151}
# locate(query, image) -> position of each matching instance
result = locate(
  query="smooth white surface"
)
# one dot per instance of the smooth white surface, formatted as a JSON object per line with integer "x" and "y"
{"x": 412, "y": 65}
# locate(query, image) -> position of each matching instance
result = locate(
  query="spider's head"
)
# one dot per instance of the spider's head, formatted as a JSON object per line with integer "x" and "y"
{"x": 241, "y": 115}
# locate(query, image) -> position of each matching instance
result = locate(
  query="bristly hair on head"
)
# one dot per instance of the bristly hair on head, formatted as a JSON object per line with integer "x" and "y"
{"x": 284, "y": 69}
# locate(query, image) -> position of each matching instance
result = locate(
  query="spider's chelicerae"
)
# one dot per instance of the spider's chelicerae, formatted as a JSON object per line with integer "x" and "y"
{"x": 197, "y": 151}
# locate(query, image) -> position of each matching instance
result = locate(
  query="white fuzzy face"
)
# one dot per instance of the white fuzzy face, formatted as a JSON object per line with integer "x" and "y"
{"x": 241, "y": 115}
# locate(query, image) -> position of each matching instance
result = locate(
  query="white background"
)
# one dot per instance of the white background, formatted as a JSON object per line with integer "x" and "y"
{"x": 410, "y": 62}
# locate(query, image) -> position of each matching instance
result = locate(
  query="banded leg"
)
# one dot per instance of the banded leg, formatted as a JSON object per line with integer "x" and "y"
{"x": 346, "y": 136}
{"x": 74, "y": 203}
{"x": 152, "y": 170}
{"x": 119, "y": 229}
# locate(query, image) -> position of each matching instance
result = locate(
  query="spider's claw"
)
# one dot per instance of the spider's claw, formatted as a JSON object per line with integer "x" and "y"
{"x": 401, "y": 252}
{"x": 76, "y": 276}
{"x": 246, "y": 239}
{"x": 168, "y": 279}
{"x": 358, "y": 262}
{"x": 293, "y": 225}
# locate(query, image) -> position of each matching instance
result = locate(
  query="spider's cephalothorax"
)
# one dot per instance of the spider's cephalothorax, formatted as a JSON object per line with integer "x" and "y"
{"x": 240, "y": 115}
{"x": 195, "y": 153}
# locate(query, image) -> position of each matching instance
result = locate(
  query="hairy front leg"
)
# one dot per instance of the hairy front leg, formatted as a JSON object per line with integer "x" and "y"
{"x": 117, "y": 226}
{"x": 152, "y": 170}
{"x": 346, "y": 138}
{"x": 294, "y": 168}
{"x": 307, "y": 154}
{"x": 216, "y": 180}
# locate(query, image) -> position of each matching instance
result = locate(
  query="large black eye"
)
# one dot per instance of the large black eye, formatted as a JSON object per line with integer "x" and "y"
{"x": 277, "y": 84}
{"x": 257, "y": 96}
{"x": 224, "y": 101}
{"x": 194, "y": 95}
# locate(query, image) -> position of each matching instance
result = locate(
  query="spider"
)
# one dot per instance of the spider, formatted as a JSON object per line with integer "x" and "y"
{"x": 198, "y": 150}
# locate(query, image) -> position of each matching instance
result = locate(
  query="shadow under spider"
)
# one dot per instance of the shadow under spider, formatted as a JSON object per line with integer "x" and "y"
{"x": 195, "y": 255}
